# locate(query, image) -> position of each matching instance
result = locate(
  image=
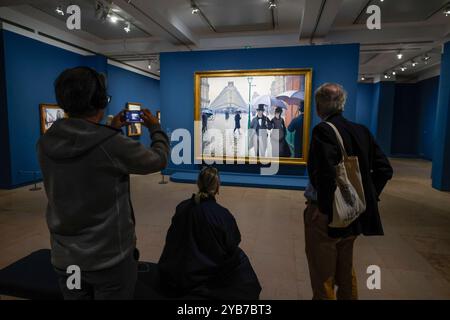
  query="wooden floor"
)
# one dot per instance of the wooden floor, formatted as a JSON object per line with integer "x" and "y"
{"x": 414, "y": 256}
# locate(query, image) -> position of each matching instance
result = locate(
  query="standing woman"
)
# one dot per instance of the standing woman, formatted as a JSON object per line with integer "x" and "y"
{"x": 201, "y": 257}
{"x": 283, "y": 147}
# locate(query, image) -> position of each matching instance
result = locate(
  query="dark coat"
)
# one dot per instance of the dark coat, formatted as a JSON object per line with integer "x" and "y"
{"x": 296, "y": 126}
{"x": 202, "y": 257}
{"x": 237, "y": 121}
{"x": 375, "y": 168}
{"x": 283, "y": 147}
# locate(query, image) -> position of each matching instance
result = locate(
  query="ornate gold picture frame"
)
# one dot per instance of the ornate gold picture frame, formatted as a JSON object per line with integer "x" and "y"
{"x": 224, "y": 100}
{"x": 48, "y": 114}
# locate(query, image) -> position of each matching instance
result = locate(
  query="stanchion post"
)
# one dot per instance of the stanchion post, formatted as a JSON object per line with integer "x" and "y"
{"x": 163, "y": 181}
{"x": 35, "y": 188}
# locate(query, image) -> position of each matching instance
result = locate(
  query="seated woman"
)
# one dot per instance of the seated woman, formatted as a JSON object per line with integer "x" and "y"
{"x": 201, "y": 258}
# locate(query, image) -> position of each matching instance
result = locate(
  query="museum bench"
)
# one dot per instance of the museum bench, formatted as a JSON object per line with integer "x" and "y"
{"x": 33, "y": 277}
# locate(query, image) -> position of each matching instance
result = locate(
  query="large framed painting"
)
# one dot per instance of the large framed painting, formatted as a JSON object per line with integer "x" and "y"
{"x": 134, "y": 129}
{"x": 49, "y": 113}
{"x": 253, "y": 116}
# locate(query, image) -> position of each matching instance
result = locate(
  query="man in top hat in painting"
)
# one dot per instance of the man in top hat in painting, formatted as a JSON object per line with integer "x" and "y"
{"x": 261, "y": 124}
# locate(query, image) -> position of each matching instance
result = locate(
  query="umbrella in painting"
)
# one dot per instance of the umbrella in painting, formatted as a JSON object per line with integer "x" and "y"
{"x": 268, "y": 101}
{"x": 207, "y": 111}
{"x": 292, "y": 97}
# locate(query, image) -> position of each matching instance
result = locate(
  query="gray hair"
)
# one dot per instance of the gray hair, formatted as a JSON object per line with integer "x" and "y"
{"x": 330, "y": 99}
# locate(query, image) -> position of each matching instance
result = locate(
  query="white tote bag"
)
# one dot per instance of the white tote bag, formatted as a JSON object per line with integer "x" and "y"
{"x": 349, "y": 200}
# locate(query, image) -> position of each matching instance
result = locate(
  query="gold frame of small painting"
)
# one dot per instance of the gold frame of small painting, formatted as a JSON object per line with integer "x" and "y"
{"x": 46, "y": 121}
{"x": 134, "y": 129}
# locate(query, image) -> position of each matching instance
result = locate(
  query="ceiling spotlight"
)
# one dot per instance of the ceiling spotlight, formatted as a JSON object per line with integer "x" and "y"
{"x": 426, "y": 57}
{"x": 404, "y": 68}
{"x": 195, "y": 9}
{"x": 363, "y": 78}
{"x": 101, "y": 12}
{"x": 59, "y": 10}
{"x": 414, "y": 64}
{"x": 394, "y": 73}
{"x": 272, "y": 4}
{"x": 447, "y": 11}
{"x": 399, "y": 56}
{"x": 127, "y": 27}
{"x": 113, "y": 18}
{"x": 386, "y": 76}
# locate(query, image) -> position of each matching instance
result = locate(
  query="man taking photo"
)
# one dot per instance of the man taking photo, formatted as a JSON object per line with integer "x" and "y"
{"x": 86, "y": 168}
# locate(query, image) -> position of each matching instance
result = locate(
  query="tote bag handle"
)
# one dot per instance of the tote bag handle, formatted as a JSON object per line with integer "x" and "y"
{"x": 339, "y": 138}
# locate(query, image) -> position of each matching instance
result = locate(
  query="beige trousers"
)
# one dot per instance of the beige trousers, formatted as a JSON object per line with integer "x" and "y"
{"x": 330, "y": 260}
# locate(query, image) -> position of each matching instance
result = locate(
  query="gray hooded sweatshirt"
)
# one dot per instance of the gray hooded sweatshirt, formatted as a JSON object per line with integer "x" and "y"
{"x": 86, "y": 170}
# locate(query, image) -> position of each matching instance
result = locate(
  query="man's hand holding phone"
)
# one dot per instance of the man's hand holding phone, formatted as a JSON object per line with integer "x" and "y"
{"x": 119, "y": 120}
{"x": 149, "y": 119}
{"x": 126, "y": 117}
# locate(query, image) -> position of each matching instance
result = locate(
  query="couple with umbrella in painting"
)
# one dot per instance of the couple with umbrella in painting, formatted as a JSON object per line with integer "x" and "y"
{"x": 261, "y": 124}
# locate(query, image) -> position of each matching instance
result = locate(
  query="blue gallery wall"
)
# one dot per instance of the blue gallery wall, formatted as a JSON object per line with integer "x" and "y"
{"x": 407, "y": 110}
{"x": 441, "y": 136}
{"x": 405, "y": 134}
{"x": 374, "y": 111}
{"x": 30, "y": 70}
{"x": 364, "y": 103}
{"x": 178, "y": 68}
{"x": 125, "y": 86}
{"x": 415, "y": 119}
{"x": 385, "y": 115}
{"x": 31, "y": 67}
{"x": 5, "y": 177}
{"x": 428, "y": 98}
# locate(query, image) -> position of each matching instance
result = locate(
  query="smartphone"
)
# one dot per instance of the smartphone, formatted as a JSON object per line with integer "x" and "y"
{"x": 133, "y": 116}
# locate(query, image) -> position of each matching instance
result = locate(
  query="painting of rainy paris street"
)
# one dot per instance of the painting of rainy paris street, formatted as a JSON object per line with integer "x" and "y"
{"x": 253, "y": 116}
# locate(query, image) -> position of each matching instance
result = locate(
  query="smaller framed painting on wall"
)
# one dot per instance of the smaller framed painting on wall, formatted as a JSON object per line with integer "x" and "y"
{"x": 49, "y": 113}
{"x": 134, "y": 129}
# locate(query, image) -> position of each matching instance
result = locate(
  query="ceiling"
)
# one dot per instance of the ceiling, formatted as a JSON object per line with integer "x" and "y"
{"x": 90, "y": 23}
{"x": 414, "y": 28}
{"x": 405, "y": 10}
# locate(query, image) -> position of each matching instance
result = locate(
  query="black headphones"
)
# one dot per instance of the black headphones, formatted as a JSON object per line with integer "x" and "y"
{"x": 99, "y": 99}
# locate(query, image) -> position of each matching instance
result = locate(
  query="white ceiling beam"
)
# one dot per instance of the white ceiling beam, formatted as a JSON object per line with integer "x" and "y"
{"x": 309, "y": 15}
{"x": 5, "y": 3}
{"x": 138, "y": 47}
{"x": 317, "y": 19}
{"x": 248, "y": 41}
{"x": 329, "y": 14}
{"x": 388, "y": 34}
{"x": 161, "y": 25}
{"x": 32, "y": 19}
